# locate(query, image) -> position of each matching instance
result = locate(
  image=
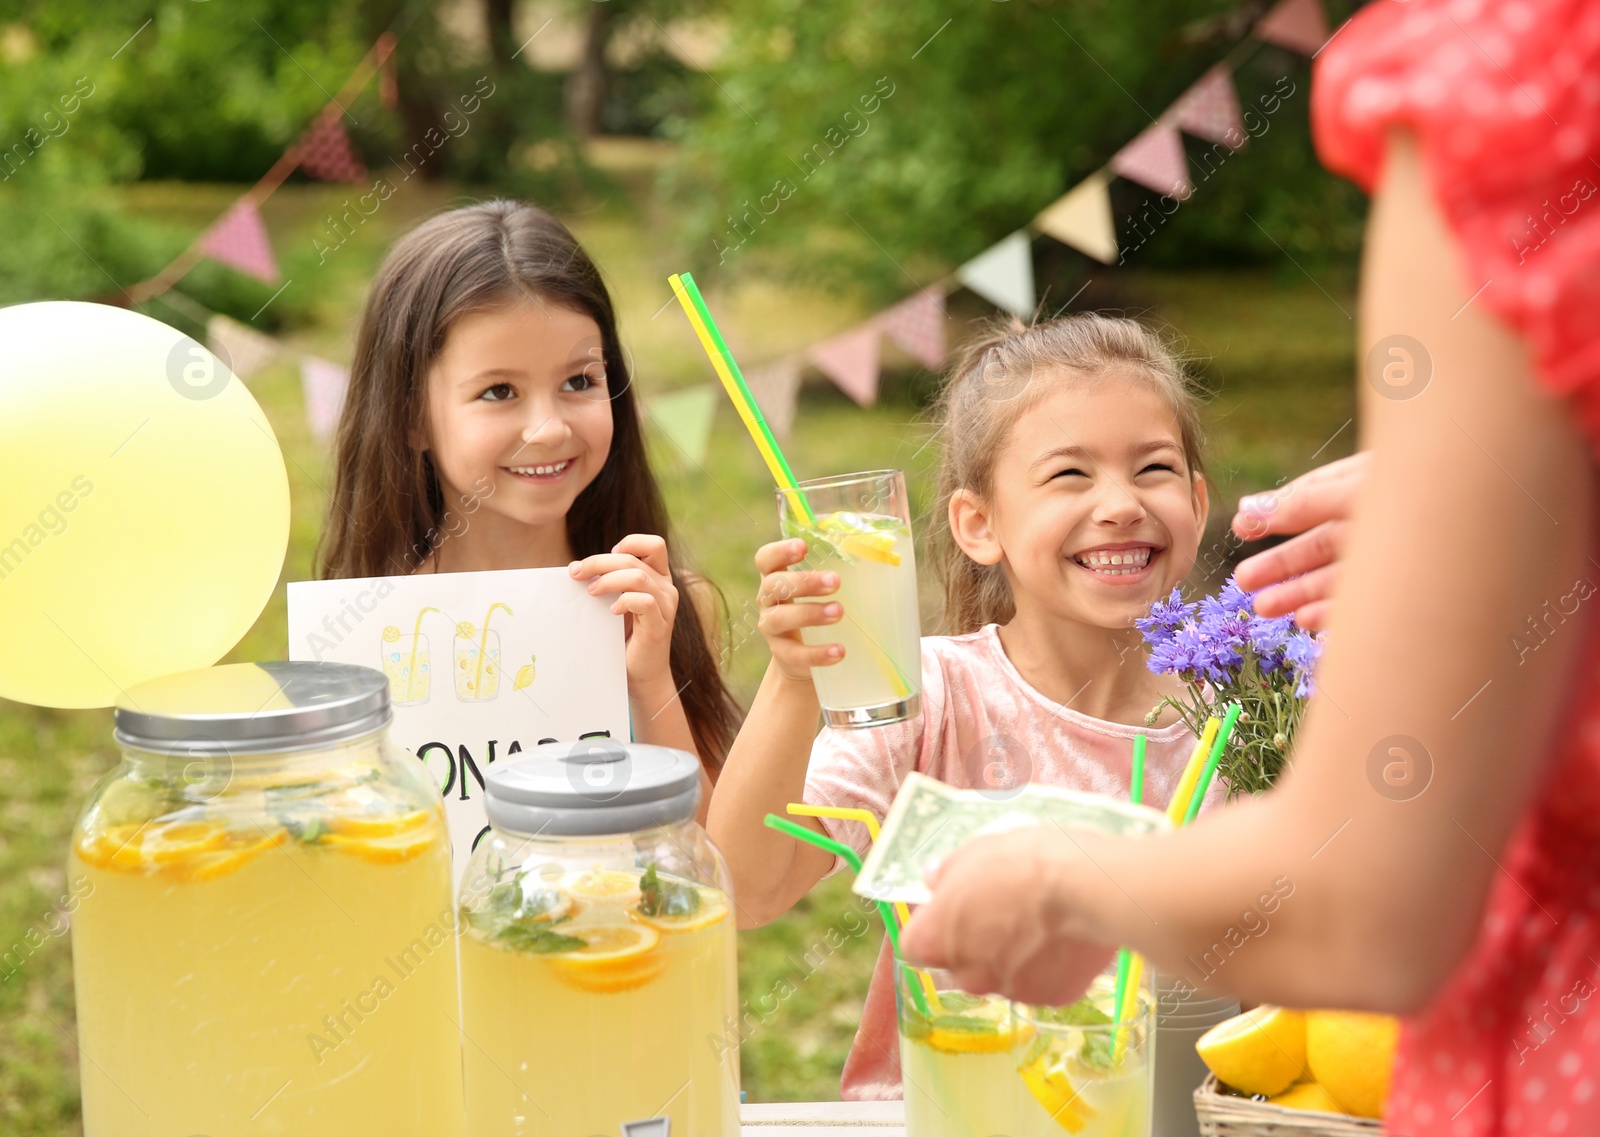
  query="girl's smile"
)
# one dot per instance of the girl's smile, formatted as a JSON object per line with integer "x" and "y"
{"x": 1120, "y": 565}
{"x": 544, "y": 473}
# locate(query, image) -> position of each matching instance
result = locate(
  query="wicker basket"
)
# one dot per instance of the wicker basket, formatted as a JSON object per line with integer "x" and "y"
{"x": 1227, "y": 1115}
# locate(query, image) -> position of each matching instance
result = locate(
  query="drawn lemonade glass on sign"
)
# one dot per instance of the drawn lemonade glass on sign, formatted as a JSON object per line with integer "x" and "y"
{"x": 477, "y": 658}
{"x": 407, "y": 664}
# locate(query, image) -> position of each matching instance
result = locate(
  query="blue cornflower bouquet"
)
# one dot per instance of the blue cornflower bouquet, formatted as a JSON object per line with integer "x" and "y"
{"x": 1224, "y": 653}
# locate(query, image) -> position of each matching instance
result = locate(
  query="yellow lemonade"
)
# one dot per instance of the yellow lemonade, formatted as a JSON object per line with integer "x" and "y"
{"x": 880, "y": 630}
{"x": 269, "y": 975}
{"x": 594, "y": 998}
{"x": 978, "y": 1066}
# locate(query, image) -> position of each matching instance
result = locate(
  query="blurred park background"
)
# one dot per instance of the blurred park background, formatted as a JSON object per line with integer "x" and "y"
{"x": 649, "y": 126}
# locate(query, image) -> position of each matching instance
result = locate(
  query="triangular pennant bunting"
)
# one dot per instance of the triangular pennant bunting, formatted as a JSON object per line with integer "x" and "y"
{"x": 323, "y": 384}
{"x": 685, "y": 417}
{"x": 917, "y": 325}
{"x": 1299, "y": 25}
{"x": 1210, "y": 109}
{"x": 776, "y": 387}
{"x": 244, "y": 350}
{"x": 1156, "y": 159}
{"x": 239, "y": 240}
{"x": 851, "y": 361}
{"x": 325, "y": 153}
{"x": 1003, "y": 275}
{"x": 1082, "y": 218}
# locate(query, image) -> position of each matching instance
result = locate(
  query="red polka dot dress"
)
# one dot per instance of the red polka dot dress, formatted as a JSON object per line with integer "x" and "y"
{"x": 1504, "y": 99}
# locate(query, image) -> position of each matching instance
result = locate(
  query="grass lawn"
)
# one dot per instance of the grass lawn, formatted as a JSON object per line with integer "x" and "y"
{"x": 1275, "y": 348}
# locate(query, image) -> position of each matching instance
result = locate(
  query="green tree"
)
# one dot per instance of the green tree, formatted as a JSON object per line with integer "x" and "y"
{"x": 883, "y": 142}
{"x": 59, "y": 236}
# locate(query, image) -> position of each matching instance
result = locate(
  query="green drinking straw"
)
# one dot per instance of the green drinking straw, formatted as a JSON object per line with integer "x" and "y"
{"x": 1136, "y": 782}
{"x": 722, "y": 362}
{"x": 812, "y": 837}
{"x": 1136, "y": 795}
{"x": 1212, "y": 760}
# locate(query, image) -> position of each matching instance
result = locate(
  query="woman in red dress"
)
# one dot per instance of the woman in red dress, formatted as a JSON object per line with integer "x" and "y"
{"x": 1441, "y": 824}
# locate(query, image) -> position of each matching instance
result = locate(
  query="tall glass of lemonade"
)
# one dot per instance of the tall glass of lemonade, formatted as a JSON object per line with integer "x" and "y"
{"x": 978, "y": 1065}
{"x": 859, "y": 526}
{"x": 598, "y": 978}
{"x": 266, "y": 943}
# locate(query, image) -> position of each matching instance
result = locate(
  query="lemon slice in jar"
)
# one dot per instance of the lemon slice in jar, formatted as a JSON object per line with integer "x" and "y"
{"x": 606, "y": 884}
{"x": 211, "y": 865}
{"x": 614, "y": 957}
{"x": 384, "y": 849}
{"x": 103, "y": 849}
{"x": 379, "y": 824}
{"x": 185, "y": 850}
{"x": 180, "y": 840}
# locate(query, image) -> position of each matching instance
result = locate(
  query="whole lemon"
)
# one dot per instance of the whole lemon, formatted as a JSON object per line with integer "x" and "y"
{"x": 1307, "y": 1095}
{"x": 1351, "y": 1055}
{"x": 1262, "y": 1051}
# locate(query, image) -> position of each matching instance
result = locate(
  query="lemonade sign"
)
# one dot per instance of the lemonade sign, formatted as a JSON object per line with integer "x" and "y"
{"x": 481, "y": 666}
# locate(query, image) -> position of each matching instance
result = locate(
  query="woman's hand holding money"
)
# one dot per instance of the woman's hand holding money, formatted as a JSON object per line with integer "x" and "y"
{"x": 1004, "y": 918}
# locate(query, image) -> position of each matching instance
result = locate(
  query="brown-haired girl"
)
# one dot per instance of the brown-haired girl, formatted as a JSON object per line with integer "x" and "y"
{"x": 491, "y": 424}
{"x": 1071, "y": 498}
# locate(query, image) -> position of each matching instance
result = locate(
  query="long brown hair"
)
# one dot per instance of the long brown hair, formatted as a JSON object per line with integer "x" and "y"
{"x": 993, "y": 382}
{"x": 388, "y": 512}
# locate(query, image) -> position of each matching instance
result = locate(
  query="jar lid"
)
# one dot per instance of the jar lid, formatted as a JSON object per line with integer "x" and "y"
{"x": 596, "y": 787}
{"x": 252, "y": 708}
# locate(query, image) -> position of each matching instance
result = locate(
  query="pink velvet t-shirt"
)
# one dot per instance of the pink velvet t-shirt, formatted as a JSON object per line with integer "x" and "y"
{"x": 982, "y": 726}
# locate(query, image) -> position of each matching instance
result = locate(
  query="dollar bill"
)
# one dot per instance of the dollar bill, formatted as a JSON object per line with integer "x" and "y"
{"x": 930, "y": 820}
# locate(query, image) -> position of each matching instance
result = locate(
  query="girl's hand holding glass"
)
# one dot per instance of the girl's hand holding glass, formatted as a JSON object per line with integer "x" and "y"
{"x": 782, "y": 619}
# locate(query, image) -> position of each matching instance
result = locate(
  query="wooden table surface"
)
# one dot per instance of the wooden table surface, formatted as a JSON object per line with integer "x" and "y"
{"x": 825, "y": 1119}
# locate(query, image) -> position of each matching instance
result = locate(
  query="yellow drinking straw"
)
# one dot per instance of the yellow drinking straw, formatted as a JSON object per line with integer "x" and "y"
{"x": 1178, "y": 808}
{"x": 416, "y": 638}
{"x": 483, "y": 642}
{"x": 694, "y": 306}
{"x": 1130, "y": 999}
{"x": 1215, "y": 758}
{"x": 867, "y": 818}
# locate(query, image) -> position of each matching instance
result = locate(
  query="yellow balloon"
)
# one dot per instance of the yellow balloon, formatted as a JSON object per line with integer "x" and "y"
{"x": 144, "y": 506}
